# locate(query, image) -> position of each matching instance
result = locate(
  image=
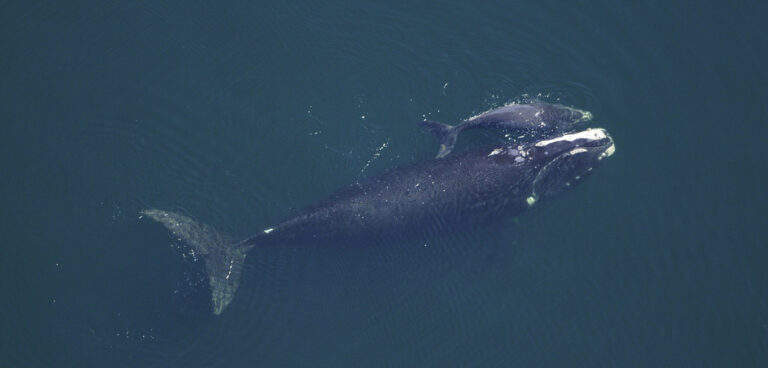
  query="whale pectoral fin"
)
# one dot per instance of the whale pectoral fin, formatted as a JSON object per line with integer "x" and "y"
{"x": 223, "y": 259}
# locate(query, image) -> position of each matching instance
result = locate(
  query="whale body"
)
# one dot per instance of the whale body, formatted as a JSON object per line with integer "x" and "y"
{"x": 536, "y": 119}
{"x": 417, "y": 200}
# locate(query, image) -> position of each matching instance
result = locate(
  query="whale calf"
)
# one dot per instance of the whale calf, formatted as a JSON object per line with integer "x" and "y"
{"x": 540, "y": 118}
{"x": 417, "y": 201}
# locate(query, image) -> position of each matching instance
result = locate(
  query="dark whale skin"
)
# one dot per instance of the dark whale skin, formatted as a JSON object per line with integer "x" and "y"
{"x": 413, "y": 200}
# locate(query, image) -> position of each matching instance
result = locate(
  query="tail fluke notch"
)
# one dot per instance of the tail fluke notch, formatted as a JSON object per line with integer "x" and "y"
{"x": 223, "y": 258}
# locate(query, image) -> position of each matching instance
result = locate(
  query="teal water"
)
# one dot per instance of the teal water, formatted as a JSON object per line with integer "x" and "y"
{"x": 238, "y": 114}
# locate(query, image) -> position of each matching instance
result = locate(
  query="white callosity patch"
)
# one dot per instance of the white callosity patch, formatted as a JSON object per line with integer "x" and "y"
{"x": 530, "y": 200}
{"x": 267, "y": 231}
{"x": 591, "y": 134}
{"x": 495, "y": 152}
{"x": 577, "y": 150}
{"x": 517, "y": 154}
{"x": 521, "y": 150}
{"x": 608, "y": 152}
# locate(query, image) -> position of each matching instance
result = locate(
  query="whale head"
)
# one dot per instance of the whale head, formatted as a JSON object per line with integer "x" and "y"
{"x": 563, "y": 118}
{"x": 564, "y": 161}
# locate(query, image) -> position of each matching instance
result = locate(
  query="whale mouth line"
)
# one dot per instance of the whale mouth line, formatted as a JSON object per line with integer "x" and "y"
{"x": 567, "y": 158}
{"x": 549, "y": 165}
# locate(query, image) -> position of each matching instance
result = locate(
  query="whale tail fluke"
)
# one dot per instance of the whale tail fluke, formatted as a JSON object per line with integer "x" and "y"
{"x": 223, "y": 258}
{"x": 447, "y": 135}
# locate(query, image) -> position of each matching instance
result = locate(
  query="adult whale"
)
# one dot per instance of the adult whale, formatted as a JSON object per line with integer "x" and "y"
{"x": 537, "y": 119}
{"x": 416, "y": 200}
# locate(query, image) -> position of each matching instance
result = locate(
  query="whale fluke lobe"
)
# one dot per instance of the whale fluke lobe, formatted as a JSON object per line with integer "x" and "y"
{"x": 447, "y": 135}
{"x": 223, "y": 258}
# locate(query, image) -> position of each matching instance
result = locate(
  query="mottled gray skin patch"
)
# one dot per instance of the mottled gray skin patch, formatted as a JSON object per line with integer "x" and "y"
{"x": 223, "y": 259}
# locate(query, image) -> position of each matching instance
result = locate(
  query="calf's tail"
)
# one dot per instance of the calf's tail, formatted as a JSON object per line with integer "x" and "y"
{"x": 447, "y": 135}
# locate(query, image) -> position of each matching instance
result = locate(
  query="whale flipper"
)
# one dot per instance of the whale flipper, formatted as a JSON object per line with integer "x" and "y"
{"x": 447, "y": 135}
{"x": 223, "y": 258}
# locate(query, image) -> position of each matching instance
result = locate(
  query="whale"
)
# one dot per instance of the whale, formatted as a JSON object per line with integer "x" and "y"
{"x": 536, "y": 119}
{"x": 421, "y": 200}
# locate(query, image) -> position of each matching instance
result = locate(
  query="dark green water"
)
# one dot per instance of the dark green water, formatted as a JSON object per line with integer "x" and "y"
{"x": 238, "y": 114}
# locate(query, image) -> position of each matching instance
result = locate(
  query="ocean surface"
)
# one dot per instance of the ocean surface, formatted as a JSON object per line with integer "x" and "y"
{"x": 238, "y": 114}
